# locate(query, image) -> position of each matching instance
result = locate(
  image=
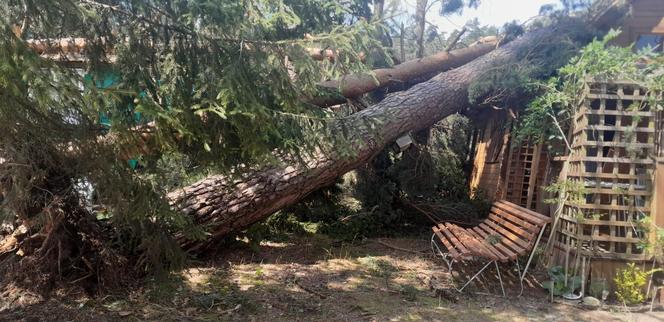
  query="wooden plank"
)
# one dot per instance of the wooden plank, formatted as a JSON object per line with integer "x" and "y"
{"x": 601, "y": 222}
{"x": 521, "y": 214}
{"x": 534, "y": 171}
{"x": 614, "y": 144}
{"x": 615, "y": 128}
{"x": 463, "y": 241}
{"x": 617, "y": 113}
{"x": 608, "y": 207}
{"x": 607, "y": 175}
{"x": 605, "y": 238}
{"x": 510, "y": 253}
{"x": 610, "y": 160}
{"x": 501, "y": 255}
{"x": 515, "y": 219}
{"x": 507, "y": 171}
{"x": 504, "y": 240}
{"x": 517, "y": 208}
{"x": 446, "y": 243}
{"x": 502, "y": 222}
{"x": 616, "y": 192}
{"x": 455, "y": 242}
{"x": 524, "y": 213}
{"x": 658, "y": 205}
{"x": 514, "y": 237}
{"x": 474, "y": 245}
{"x": 606, "y": 254}
{"x": 616, "y": 97}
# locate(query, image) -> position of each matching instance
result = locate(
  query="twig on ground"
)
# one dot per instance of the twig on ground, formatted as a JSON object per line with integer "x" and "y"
{"x": 237, "y": 307}
{"x": 399, "y": 248}
{"x": 322, "y": 296}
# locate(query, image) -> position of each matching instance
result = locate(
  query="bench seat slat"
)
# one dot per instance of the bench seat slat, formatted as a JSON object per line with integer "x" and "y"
{"x": 515, "y": 219}
{"x": 499, "y": 246}
{"x": 525, "y": 213}
{"x": 504, "y": 240}
{"x": 521, "y": 214}
{"x": 492, "y": 248}
{"x": 453, "y": 252}
{"x": 517, "y": 228}
{"x": 506, "y": 233}
{"x": 455, "y": 242}
{"x": 546, "y": 219}
{"x": 474, "y": 245}
{"x": 519, "y": 231}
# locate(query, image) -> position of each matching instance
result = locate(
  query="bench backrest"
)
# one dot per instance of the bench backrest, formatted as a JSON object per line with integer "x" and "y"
{"x": 520, "y": 226}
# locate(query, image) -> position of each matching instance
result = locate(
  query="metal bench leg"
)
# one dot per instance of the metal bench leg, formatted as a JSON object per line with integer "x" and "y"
{"x": 518, "y": 270}
{"x": 532, "y": 253}
{"x": 443, "y": 255}
{"x": 476, "y": 275}
{"x": 502, "y": 288}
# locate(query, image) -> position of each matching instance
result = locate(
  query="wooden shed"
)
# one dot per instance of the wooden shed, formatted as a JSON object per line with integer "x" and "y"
{"x": 617, "y": 157}
{"x": 509, "y": 170}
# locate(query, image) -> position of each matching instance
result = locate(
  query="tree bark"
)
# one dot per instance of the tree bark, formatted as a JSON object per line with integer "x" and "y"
{"x": 355, "y": 85}
{"x": 224, "y": 205}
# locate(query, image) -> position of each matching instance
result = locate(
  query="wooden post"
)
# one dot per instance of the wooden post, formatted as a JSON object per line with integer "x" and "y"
{"x": 534, "y": 170}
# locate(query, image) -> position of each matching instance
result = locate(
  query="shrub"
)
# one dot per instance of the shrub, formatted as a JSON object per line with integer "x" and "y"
{"x": 629, "y": 284}
{"x": 557, "y": 282}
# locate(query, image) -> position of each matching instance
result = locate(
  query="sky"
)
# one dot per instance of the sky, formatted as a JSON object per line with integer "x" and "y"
{"x": 490, "y": 12}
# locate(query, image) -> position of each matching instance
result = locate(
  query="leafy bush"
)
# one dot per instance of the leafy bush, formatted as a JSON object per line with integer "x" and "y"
{"x": 629, "y": 284}
{"x": 557, "y": 282}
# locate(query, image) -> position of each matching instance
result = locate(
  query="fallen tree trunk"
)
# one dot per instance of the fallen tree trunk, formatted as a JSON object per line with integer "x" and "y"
{"x": 224, "y": 205}
{"x": 421, "y": 68}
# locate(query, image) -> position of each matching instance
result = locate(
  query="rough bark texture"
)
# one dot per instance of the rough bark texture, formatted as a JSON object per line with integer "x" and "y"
{"x": 358, "y": 84}
{"x": 224, "y": 206}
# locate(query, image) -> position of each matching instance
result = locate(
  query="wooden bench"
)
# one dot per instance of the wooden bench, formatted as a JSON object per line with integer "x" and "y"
{"x": 510, "y": 231}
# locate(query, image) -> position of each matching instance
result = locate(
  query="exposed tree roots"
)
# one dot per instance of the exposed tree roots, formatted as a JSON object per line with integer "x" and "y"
{"x": 65, "y": 248}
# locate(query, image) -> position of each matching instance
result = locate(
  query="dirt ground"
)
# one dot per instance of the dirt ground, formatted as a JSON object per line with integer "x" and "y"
{"x": 316, "y": 279}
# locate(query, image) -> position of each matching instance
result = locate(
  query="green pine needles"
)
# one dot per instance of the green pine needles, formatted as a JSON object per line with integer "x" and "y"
{"x": 548, "y": 117}
{"x": 168, "y": 91}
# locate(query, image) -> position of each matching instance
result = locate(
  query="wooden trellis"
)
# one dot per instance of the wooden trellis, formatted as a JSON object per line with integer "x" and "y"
{"x": 527, "y": 166}
{"x": 613, "y": 144}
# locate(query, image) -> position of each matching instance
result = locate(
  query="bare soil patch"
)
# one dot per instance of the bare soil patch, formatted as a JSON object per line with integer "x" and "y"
{"x": 315, "y": 279}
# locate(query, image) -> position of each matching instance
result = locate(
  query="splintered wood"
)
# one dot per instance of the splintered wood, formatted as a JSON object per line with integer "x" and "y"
{"x": 614, "y": 143}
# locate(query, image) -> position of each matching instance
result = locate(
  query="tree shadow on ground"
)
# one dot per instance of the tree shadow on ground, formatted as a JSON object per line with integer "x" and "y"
{"x": 314, "y": 279}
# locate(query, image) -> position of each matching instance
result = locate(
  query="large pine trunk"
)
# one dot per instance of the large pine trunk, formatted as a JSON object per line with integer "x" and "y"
{"x": 224, "y": 205}
{"x": 412, "y": 71}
